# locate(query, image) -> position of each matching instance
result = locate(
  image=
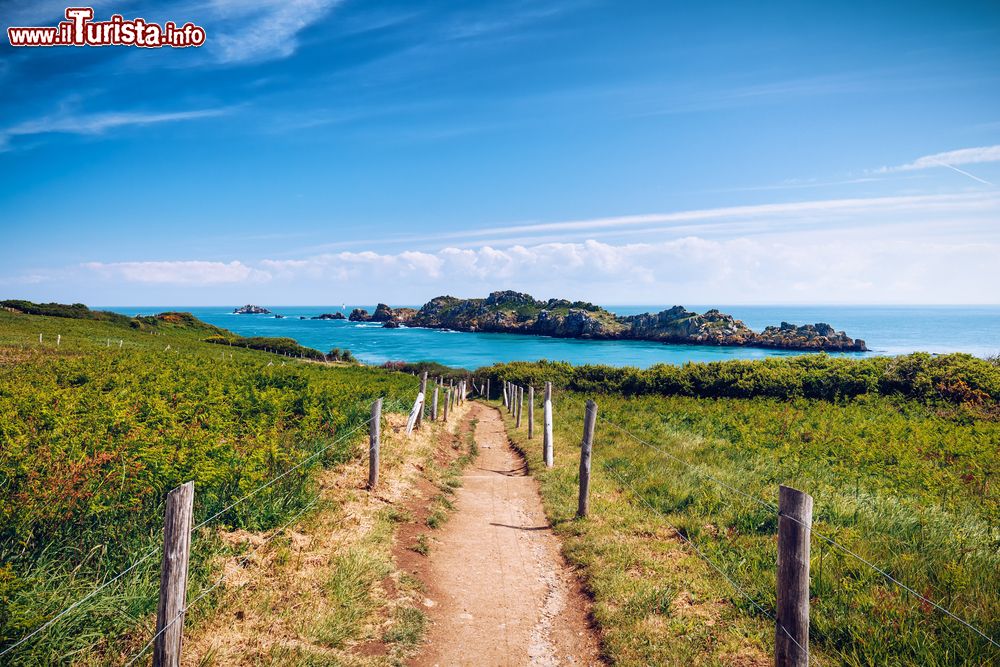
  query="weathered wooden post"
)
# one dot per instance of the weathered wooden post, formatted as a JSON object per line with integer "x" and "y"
{"x": 531, "y": 412}
{"x": 519, "y": 404}
{"x": 173, "y": 576}
{"x": 506, "y": 395}
{"x": 589, "y": 420}
{"x": 423, "y": 392}
{"x": 791, "y": 641}
{"x": 547, "y": 426}
{"x": 434, "y": 404}
{"x": 58, "y": 340}
{"x": 418, "y": 407}
{"x": 447, "y": 400}
{"x": 374, "y": 442}
{"x": 487, "y": 389}
{"x": 39, "y": 338}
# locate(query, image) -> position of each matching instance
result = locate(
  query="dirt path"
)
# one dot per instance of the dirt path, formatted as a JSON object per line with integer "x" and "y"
{"x": 498, "y": 590}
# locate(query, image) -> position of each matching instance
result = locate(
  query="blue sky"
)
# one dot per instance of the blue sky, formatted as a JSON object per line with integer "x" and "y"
{"x": 316, "y": 151}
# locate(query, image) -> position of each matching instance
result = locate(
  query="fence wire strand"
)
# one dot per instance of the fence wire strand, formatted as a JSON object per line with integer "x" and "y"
{"x": 812, "y": 531}
{"x": 701, "y": 554}
{"x": 218, "y": 582}
{"x": 79, "y": 602}
{"x": 155, "y": 550}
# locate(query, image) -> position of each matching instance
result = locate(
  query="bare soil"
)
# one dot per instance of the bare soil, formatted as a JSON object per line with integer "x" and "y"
{"x": 498, "y": 590}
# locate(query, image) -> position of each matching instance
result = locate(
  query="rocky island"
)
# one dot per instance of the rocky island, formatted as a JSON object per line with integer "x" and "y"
{"x": 516, "y": 312}
{"x": 251, "y": 309}
{"x": 329, "y": 316}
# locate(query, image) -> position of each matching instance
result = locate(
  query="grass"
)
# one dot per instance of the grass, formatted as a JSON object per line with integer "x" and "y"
{"x": 408, "y": 627}
{"x": 350, "y": 593}
{"x": 95, "y": 430}
{"x": 904, "y": 484}
{"x": 422, "y": 546}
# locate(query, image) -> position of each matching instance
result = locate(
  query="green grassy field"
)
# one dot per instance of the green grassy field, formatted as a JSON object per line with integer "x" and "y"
{"x": 905, "y": 484}
{"x": 96, "y": 430}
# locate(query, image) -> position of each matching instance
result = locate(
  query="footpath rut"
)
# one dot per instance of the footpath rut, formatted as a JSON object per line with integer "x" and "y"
{"x": 498, "y": 590}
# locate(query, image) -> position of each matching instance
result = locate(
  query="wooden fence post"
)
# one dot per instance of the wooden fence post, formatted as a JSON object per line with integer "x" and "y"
{"x": 487, "y": 389}
{"x": 547, "y": 426}
{"x": 447, "y": 400}
{"x": 519, "y": 405}
{"x": 374, "y": 442}
{"x": 434, "y": 405}
{"x": 531, "y": 412}
{"x": 423, "y": 391}
{"x": 791, "y": 642}
{"x": 586, "y": 446}
{"x": 173, "y": 576}
{"x": 418, "y": 407}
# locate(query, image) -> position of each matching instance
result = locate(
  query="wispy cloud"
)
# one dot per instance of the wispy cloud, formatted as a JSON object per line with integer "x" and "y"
{"x": 750, "y": 220}
{"x": 951, "y": 160}
{"x": 96, "y": 123}
{"x": 191, "y": 272}
{"x": 827, "y": 266}
{"x": 264, "y": 30}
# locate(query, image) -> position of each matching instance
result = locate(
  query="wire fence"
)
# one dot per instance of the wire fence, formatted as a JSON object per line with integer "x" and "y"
{"x": 155, "y": 550}
{"x": 218, "y": 582}
{"x": 697, "y": 470}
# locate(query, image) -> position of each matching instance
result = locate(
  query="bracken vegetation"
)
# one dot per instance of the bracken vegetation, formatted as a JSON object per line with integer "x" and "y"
{"x": 953, "y": 378}
{"x": 96, "y": 429}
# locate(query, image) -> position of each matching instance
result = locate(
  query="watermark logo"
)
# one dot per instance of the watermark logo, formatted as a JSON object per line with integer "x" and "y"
{"x": 79, "y": 29}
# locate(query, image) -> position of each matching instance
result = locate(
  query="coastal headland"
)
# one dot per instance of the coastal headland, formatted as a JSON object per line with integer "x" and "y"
{"x": 519, "y": 313}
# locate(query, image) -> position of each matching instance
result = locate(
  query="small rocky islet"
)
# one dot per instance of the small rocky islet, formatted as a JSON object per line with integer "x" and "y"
{"x": 251, "y": 309}
{"x": 515, "y": 312}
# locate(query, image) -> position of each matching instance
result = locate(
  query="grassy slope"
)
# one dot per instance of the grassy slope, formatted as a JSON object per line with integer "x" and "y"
{"x": 901, "y": 483}
{"x": 92, "y": 436}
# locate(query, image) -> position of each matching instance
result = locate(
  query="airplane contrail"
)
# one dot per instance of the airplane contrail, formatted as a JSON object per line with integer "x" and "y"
{"x": 964, "y": 173}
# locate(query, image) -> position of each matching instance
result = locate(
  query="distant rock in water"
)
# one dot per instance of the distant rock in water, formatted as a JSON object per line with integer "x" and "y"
{"x": 383, "y": 313}
{"x": 329, "y": 316}
{"x": 251, "y": 309}
{"x": 390, "y": 324}
{"x": 516, "y": 312}
{"x": 279, "y": 317}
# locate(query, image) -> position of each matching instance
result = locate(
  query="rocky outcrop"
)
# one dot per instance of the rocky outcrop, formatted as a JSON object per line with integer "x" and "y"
{"x": 819, "y": 336}
{"x": 516, "y": 312}
{"x": 383, "y": 313}
{"x": 329, "y": 316}
{"x": 251, "y": 309}
{"x": 390, "y": 324}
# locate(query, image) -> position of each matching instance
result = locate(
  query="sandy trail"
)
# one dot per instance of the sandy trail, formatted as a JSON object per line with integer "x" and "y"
{"x": 499, "y": 592}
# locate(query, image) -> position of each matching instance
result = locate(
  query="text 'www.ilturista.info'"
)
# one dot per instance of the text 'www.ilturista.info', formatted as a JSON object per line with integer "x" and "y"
{"x": 79, "y": 29}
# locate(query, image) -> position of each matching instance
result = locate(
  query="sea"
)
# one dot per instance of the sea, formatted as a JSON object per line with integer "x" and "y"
{"x": 887, "y": 330}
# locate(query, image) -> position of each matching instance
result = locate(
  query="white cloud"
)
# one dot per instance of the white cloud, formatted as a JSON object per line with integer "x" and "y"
{"x": 819, "y": 267}
{"x": 961, "y": 156}
{"x": 96, "y": 123}
{"x": 178, "y": 272}
{"x": 265, "y": 30}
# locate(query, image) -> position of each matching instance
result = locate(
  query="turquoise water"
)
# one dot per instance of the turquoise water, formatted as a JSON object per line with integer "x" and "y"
{"x": 887, "y": 330}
